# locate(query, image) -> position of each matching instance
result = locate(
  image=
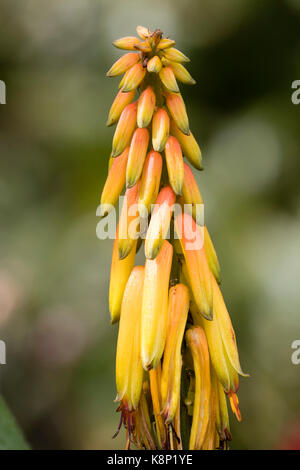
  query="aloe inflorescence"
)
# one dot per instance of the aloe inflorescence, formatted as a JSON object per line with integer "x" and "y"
{"x": 177, "y": 363}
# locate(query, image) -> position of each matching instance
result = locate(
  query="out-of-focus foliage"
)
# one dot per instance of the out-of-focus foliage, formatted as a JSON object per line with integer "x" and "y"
{"x": 11, "y": 438}
{"x": 54, "y": 147}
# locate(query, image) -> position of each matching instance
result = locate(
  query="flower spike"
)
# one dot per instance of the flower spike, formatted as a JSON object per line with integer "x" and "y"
{"x": 177, "y": 360}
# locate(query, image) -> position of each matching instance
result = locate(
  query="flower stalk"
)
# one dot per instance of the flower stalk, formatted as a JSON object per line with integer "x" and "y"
{"x": 177, "y": 364}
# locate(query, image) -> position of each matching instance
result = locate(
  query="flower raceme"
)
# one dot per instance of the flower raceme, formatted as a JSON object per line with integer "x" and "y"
{"x": 176, "y": 352}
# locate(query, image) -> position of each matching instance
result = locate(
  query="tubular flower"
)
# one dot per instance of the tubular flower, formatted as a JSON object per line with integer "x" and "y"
{"x": 188, "y": 143}
{"x": 177, "y": 110}
{"x": 136, "y": 157}
{"x": 160, "y": 222}
{"x": 125, "y": 129}
{"x": 179, "y": 301}
{"x": 121, "y": 101}
{"x": 155, "y": 306}
{"x": 174, "y": 164}
{"x": 154, "y": 65}
{"x": 160, "y": 129}
{"x": 123, "y": 64}
{"x": 119, "y": 274}
{"x": 197, "y": 269}
{"x": 129, "y": 369}
{"x": 197, "y": 344}
{"x": 146, "y": 107}
{"x": 114, "y": 183}
{"x": 129, "y": 221}
{"x": 177, "y": 362}
{"x": 150, "y": 181}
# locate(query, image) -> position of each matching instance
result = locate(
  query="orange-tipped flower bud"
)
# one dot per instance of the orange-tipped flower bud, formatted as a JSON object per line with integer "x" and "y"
{"x": 142, "y": 32}
{"x": 133, "y": 77}
{"x": 199, "y": 276}
{"x": 177, "y": 110}
{"x": 211, "y": 256}
{"x": 189, "y": 146}
{"x": 175, "y": 55}
{"x": 222, "y": 418}
{"x": 136, "y": 157}
{"x": 154, "y": 65}
{"x": 115, "y": 182}
{"x": 120, "y": 102}
{"x": 191, "y": 194}
{"x": 146, "y": 105}
{"x": 168, "y": 79}
{"x": 165, "y": 43}
{"x": 174, "y": 164}
{"x": 129, "y": 369}
{"x": 155, "y": 380}
{"x": 171, "y": 369}
{"x": 160, "y": 222}
{"x": 128, "y": 43}
{"x": 123, "y": 64}
{"x": 124, "y": 129}
{"x": 211, "y": 439}
{"x": 226, "y": 328}
{"x": 155, "y": 306}
{"x": 150, "y": 180}
{"x": 129, "y": 221}
{"x": 215, "y": 345}
{"x": 160, "y": 129}
{"x": 197, "y": 344}
{"x": 119, "y": 274}
{"x": 144, "y": 47}
{"x": 181, "y": 73}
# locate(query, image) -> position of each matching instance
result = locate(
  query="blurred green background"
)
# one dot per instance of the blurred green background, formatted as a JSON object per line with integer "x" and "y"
{"x": 59, "y": 377}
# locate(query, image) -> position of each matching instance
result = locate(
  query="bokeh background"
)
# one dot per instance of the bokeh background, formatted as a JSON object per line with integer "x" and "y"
{"x": 54, "y": 149}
